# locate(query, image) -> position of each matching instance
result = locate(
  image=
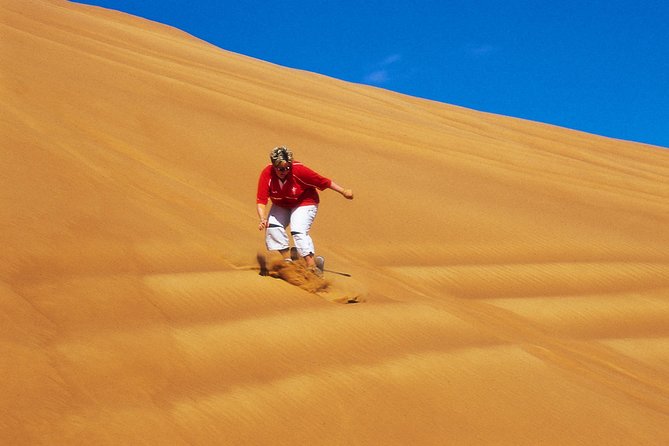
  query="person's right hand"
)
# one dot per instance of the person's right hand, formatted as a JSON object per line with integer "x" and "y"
{"x": 262, "y": 225}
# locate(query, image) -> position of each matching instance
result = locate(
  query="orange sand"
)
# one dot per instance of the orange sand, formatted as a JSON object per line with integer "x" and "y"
{"x": 515, "y": 275}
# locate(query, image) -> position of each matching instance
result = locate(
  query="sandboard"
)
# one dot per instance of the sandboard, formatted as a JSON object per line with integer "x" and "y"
{"x": 296, "y": 273}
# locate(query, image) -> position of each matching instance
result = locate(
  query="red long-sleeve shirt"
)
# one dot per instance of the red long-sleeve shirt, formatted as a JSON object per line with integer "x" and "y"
{"x": 298, "y": 188}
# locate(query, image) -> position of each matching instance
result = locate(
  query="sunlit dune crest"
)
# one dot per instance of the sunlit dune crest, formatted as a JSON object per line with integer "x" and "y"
{"x": 511, "y": 278}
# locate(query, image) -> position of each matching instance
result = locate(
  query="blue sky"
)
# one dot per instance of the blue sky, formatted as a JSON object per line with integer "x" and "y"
{"x": 593, "y": 65}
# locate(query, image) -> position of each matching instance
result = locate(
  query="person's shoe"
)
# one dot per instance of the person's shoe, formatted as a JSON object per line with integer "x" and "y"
{"x": 294, "y": 254}
{"x": 320, "y": 263}
{"x": 262, "y": 263}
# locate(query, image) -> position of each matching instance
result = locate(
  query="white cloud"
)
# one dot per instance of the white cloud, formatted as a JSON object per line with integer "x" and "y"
{"x": 381, "y": 73}
{"x": 391, "y": 59}
{"x": 377, "y": 77}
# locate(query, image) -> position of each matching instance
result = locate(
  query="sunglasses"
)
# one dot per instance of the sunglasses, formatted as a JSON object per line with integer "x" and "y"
{"x": 282, "y": 169}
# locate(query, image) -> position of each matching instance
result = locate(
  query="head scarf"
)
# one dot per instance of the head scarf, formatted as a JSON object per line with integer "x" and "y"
{"x": 281, "y": 154}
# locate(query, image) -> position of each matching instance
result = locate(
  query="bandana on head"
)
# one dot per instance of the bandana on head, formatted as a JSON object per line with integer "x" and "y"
{"x": 281, "y": 154}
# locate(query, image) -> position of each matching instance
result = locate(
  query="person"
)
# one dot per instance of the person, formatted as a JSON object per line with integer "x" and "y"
{"x": 293, "y": 189}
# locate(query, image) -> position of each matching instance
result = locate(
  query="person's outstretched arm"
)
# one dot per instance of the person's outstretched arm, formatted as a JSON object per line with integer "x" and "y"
{"x": 347, "y": 193}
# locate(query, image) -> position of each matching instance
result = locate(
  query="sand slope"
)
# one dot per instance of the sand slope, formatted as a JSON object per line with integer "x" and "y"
{"x": 516, "y": 275}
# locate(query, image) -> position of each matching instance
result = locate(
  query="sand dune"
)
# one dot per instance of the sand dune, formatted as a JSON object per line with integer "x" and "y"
{"x": 514, "y": 276}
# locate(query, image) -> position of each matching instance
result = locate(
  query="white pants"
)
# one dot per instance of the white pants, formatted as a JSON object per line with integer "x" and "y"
{"x": 299, "y": 219}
